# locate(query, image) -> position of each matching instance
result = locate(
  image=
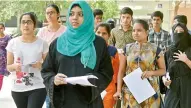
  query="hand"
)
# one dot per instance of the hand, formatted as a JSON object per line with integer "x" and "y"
{"x": 117, "y": 95}
{"x": 59, "y": 79}
{"x": 147, "y": 74}
{"x": 181, "y": 57}
{"x": 17, "y": 67}
{"x": 37, "y": 65}
{"x": 166, "y": 81}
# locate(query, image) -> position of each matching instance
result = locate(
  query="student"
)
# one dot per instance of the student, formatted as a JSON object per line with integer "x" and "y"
{"x": 145, "y": 55}
{"x": 3, "y": 54}
{"x": 77, "y": 52}
{"x": 157, "y": 35}
{"x": 122, "y": 35}
{"x": 103, "y": 30}
{"x": 24, "y": 59}
{"x": 53, "y": 30}
{"x": 178, "y": 64}
{"x": 98, "y": 16}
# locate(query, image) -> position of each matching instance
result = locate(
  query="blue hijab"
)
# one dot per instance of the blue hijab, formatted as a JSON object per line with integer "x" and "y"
{"x": 79, "y": 40}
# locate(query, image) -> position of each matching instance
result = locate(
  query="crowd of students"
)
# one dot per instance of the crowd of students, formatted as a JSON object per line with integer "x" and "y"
{"x": 39, "y": 64}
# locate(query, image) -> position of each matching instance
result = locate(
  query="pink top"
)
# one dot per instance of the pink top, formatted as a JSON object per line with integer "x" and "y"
{"x": 49, "y": 36}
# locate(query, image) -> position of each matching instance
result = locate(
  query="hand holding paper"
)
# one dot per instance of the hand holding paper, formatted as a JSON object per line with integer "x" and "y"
{"x": 81, "y": 80}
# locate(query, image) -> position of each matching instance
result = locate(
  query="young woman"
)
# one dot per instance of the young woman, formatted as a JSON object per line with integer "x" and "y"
{"x": 178, "y": 64}
{"x": 3, "y": 54}
{"x": 103, "y": 30}
{"x": 24, "y": 58}
{"x": 77, "y": 52}
{"x": 54, "y": 29}
{"x": 141, "y": 54}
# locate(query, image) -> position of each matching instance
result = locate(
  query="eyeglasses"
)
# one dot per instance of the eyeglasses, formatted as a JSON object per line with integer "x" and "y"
{"x": 28, "y": 22}
{"x": 50, "y": 13}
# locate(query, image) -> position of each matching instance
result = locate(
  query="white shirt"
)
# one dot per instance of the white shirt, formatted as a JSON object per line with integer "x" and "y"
{"x": 30, "y": 78}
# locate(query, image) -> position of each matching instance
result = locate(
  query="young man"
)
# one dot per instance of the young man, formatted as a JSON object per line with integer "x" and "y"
{"x": 122, "y": 35}
{"x": 98, "y": 16}
{"x": 157, "y": 35}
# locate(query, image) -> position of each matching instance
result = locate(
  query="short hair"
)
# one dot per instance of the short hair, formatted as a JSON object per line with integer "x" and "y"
{"x": 2, "y": 24}
{"x": 55, "y": 7}
{"x": 32, "y": 16}
{"x": 106, "y": 25}
{"x": 126, "y": 10}
{"x": 111, "y": 22}
{"x": 181, "y": 19}
{"x": 97, "y": 12}
{"x": 157, "y": 14}
{"x": 143, "y": 23}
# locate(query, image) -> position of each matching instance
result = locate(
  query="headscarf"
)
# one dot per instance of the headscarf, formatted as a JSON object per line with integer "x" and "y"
{"x": 79, "y": 40}
{"x": 181, "y": 40}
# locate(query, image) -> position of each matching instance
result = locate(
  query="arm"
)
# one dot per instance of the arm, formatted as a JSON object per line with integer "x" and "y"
{"x": 161, "y": 66}
{"x": 10, "y": 63}
{"x": 121, "y": 73}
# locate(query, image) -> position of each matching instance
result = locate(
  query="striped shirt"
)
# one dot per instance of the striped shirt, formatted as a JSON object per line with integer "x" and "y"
{"x": 119, "y": 38}
{"x": 162, "y": 39}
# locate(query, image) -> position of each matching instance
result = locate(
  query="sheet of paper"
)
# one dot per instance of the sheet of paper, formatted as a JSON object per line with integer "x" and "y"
{"x": 140, "y": 88}
{"x": 103, "y": 93}
{"x": 81, "y": 80}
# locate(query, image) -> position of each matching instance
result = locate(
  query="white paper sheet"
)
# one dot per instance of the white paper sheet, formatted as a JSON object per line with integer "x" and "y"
{"x": 81, "y": 80}
{"x": 103, "y": 93}
{"x": 140, "y": 88}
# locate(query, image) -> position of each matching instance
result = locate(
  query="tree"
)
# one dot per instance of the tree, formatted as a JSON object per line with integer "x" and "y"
{"x": 11, "y": 8}
{"x": 16, "y": 8}
{"x": 109, "y": 7}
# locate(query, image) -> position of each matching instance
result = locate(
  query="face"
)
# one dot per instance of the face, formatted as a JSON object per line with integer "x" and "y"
{"x": 27, "y": 25}
{"x": 2, "y": 29}
{"x": 76, "y": 17}
{"x": 139, "y": 33}
{"x": 125, "y": 20}
{"x": 51, "y": 14}
{"x": 101, "y": 31}
{"x": 156, "y": 21}
{"x": 98, "y": 19}
{"x": 179, "y": 29}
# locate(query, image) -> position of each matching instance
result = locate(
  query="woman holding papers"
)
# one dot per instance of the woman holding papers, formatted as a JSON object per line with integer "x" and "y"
{"x": 103, "y": 30}
{"x": 145, "y": 55}
{"x": 178, "y": 64}
{"x": 77, "y": 52}
{"x": 24, "y": 60}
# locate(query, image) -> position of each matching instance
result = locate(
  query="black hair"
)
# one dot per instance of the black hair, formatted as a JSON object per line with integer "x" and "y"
{"x": 106, "y": 25}
{"x": 55, "y": 7}
{"x": 97, "y": 12}
{"x": 126, "y": 10}
{"x": 32, "y": 16}
{"x": 2, "y": 24}
{"x": 143, "y": 23}
{"x": 181, "y": 19}
{"x": 111, "y": 22}
{"x": 157, "y": 14}
{"x": 74, "y": 5}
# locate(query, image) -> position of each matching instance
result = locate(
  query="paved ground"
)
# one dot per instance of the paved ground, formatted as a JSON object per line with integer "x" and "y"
{"x": 6, "y": 100}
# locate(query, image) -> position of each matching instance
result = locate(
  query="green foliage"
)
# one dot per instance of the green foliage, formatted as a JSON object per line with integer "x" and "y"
{"x": 15, "y": 8}
{"x": 109, "y": 7}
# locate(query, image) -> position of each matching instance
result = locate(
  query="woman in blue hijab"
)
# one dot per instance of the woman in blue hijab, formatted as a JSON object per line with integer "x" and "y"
{"x": 77, "y": 52}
